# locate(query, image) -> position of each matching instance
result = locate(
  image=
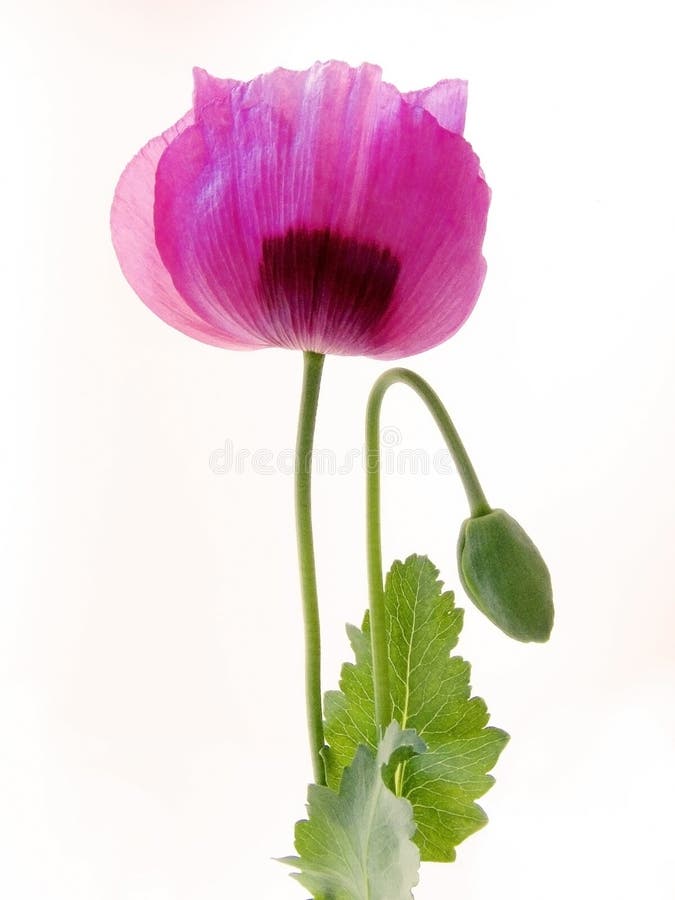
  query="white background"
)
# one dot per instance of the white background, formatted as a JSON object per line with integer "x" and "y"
{"x": 153, "y": 743}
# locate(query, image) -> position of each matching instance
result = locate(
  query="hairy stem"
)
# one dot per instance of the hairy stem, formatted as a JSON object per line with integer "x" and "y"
{"x": 313, "y": 366}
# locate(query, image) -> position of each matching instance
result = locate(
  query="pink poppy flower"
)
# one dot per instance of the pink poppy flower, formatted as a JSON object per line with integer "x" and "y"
{"x": 319, "y": 210}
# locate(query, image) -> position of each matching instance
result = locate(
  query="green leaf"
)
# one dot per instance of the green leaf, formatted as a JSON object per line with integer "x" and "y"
{"x": 356, "y": 844}
{"x": 430, "y": 693}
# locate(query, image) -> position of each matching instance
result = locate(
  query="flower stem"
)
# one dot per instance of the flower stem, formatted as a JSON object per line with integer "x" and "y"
{"x": 477, "y": 503}
{"x": 313, "y": 366}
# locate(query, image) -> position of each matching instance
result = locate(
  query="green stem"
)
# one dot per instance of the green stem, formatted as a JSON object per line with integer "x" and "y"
{"x": 477, "y": 503}
{"x": 311, "y": 383}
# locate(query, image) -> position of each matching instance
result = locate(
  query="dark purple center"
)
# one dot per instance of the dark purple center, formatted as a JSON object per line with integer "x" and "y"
{"x": 323, "y": 291}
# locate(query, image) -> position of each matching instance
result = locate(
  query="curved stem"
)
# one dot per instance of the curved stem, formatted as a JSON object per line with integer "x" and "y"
{"x": 313, "y": 366}
{"x": 474, "y": 492}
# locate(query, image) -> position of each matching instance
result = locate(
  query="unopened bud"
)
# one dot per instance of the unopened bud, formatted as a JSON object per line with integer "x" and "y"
{"x": 505, "y": 576}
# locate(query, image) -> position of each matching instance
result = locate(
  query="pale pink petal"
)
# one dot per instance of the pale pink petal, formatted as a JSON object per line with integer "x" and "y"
{"x": 133, "y": 235}
{"x": 446, "y": 101}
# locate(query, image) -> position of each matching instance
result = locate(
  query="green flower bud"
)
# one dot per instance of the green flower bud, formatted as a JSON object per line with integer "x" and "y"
{"x": 505, "y": 576}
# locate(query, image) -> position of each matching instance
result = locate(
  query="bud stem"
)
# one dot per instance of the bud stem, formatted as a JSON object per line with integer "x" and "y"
{"x": 474, "y": 492}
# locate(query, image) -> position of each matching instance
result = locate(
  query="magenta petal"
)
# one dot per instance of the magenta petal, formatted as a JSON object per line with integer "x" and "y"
{"x": 319, "y": 210}
{"x": 207, "y": 89}
{"x": 436, "y": 225}
{"x": 208, "y": 202}
{"x": 446, "y": 101}
{"x": 250, "y": 173}
{"x": 282, "y": 89}
{"x": 133, "y": 235}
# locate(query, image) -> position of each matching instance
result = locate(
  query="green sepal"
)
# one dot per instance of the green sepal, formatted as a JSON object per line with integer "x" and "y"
{"x": 504, "y": 574}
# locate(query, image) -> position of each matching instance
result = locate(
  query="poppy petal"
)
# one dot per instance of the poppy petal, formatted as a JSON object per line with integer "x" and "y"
{"x": 246, "y": 176}
{"x": 133, "y": 236}
{"x": 446, "y": 101}
{"x": 324, "y": 210}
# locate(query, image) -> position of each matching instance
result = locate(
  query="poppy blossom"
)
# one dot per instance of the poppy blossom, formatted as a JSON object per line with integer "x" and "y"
{"x": 320, "y": 210}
